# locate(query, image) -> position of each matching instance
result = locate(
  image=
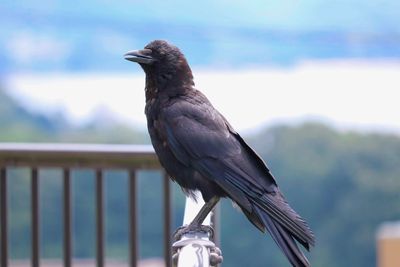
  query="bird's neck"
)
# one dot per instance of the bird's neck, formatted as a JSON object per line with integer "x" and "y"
{"x": 151, "y": 89}
{"x": 178, "y": 84}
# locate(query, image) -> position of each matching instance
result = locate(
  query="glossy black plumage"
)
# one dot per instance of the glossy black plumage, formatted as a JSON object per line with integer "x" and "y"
{"x": 200, "y": 150}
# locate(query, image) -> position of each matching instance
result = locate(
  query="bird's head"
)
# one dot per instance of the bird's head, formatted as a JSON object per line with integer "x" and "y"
{"x": 163, "y": 63}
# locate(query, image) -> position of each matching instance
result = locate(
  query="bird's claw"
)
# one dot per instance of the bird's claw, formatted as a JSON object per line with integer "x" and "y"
{"x": 215, "y": 256}
{"x": 186, "y": 229}
{"x": 214, "y": 253}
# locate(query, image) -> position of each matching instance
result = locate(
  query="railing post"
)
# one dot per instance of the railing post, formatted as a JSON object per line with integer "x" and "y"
{"x": 3, "y": 218}
{"x": 67, "y": 231}
{"x": 35, "y": 217}
{"x": 133, "y": 243}
{"x": 167, "y": 221}
{"x": 99, "y": 219}
{"x": 196, "y": 248}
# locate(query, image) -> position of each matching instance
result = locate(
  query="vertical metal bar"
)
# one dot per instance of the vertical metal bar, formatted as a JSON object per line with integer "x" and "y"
{"x": 35, "y": 217}
{"x": 67, "y": 231}
{"x": 215, "y": 220}
{"x": 133, "y": 238}
{"x": 99, "y": 219}
{"x": 167, "y": 221}
{"x": 216, "y": 224}
{"x": 3, "y": 218}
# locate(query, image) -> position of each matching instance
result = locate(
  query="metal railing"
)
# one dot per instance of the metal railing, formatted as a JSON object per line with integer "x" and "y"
{"x": 198, "y": 249}
{"x": 72, "y": 156}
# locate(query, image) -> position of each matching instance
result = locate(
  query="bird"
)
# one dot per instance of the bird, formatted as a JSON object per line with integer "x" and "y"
{"x": 200, "y": 150}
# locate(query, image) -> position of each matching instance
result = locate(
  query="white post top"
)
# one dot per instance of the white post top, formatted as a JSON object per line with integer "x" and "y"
{"x": 192, "y": 209}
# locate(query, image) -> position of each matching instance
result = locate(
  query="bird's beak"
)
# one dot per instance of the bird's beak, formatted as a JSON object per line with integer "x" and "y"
{"x": 139, "y": 56}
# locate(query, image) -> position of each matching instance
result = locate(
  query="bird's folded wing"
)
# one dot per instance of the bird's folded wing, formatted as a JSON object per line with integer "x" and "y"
{"x": 200, "y": 137}
{"x": 195, "y": 143}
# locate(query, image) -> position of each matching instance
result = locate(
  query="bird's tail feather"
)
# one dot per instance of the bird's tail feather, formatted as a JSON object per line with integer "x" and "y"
{"x": 287, "y": 218}
{"x": 283, "y": 239}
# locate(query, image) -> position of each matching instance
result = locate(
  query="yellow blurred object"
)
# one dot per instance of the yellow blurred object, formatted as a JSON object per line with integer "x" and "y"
{"x": 388, "y": 245}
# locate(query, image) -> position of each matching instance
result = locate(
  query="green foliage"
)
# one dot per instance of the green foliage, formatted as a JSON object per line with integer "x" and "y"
{"x": 343, "y": 183}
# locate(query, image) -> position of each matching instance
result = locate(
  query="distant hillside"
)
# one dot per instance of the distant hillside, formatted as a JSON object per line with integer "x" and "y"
{"x": 17, "y": 124}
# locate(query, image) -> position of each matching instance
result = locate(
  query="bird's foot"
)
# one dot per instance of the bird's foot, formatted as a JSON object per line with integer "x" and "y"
{"x": 193, "y": 228}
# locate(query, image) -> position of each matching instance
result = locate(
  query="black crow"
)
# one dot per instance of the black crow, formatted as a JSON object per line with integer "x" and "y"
{"x": 200, "y": 150}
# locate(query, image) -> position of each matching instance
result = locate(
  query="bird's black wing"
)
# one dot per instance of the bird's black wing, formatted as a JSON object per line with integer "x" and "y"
{"x": 200, "y": 137}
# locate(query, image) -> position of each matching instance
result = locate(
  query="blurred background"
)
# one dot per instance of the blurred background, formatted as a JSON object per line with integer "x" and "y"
{"x": 312, "y": 85}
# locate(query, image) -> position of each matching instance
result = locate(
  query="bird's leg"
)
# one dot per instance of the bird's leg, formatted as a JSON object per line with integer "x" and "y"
{"x": 204, "y": 211}
{"x": 196, "y": 224}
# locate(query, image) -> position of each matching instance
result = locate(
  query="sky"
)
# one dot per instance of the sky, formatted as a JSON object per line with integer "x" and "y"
{"x": 357, "y": 95}
{"x": 55, "y": 35}
{"x": 259, "y": 63}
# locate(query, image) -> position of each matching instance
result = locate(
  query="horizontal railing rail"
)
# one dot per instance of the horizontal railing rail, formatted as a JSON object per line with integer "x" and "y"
{"x": 78, "y": 155}
{"x": 71, "y": 156}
